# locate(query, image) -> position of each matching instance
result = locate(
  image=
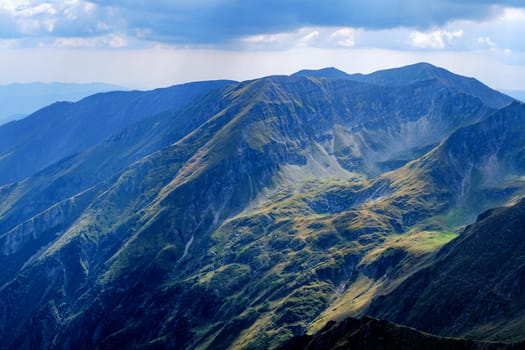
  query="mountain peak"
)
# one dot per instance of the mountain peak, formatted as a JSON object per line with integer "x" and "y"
{"x": 328, "y": 73}
{"x": 422, "y": 65}
{"x": 415, "y": 73}
{"x": 405, "y": 75}
{"x": 393, "y": 76}
{"x": 422, "y": 71}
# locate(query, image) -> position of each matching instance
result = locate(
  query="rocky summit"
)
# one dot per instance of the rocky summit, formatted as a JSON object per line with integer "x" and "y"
{"x": 240, "y": 215}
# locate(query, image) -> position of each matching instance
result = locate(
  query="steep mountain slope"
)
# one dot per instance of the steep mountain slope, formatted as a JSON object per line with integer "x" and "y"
{"x": 244, "y": 226}
{"x": 474, "y": 288}
{"x": 65, "y": 128}
{"x": 477, "y": 167}
{"x": 339, "y": 243}
{"x": 53, "y": 198}
{"x": 79, "y": 172}
{"x": 371, "y": 334}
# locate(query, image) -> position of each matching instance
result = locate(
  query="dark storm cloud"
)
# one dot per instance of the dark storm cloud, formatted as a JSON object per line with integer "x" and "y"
{"x": 224, "y": 20}
{"x": 218, "y": 22}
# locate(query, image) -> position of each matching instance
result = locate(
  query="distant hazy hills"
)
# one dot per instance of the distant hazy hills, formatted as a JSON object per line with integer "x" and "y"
{"x": 21, "y": 99}
{"x": 221, "y": 214}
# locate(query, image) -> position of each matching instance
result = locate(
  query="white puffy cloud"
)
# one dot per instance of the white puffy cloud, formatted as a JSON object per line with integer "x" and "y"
{"x": 513, "y": 14}
{"x": 436, "y": 39}
{"x": 25, "y": 19}
{"x": 343, "y": 37}
{"x": 317, "y": 37}
{"x": 486, "y": 40}
{"x": 265, "y": 38}
{"x": 310, "y": 37}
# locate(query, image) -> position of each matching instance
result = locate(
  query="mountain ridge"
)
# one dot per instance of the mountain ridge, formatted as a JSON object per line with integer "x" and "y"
{"x": 416, "y": 73}
{"x": 74, "y": 127}
{"x": 18, "y": 100}
{"x": 370, "y": 333}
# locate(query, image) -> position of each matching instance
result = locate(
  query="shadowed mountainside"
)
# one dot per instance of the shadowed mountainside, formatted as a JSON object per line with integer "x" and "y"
{"x": 371, "y": 334}
{"x": 474, "y": 287}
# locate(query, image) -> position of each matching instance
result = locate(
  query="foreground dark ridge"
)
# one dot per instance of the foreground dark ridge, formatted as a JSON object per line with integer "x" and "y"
{"x": 372, "y": 334}
{"x": 475, "y": 286}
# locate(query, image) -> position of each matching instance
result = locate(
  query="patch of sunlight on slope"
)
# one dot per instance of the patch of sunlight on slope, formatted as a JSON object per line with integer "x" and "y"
{"x": 357, "y": 297}
{"x": 351, "y": 302}
{"x": 247, "y": 336}
{"x": 289, "y": 197}
{"x": 414, "y": 242}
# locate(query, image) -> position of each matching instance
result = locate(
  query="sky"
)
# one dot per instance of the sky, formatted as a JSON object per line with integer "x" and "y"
{"x": 145, "y": 44}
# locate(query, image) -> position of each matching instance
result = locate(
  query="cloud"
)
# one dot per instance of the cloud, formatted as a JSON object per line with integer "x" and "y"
{"x": 310, "y": 36}
{"x": 53, "y": 18}
{"x": 513, "y": 14}
{"x": 211, "y": 22}
{"x": 486, "y": 40}
{"x": 110, "y": 40}
{"x": 314, "y": 37}
{"x": 437, "y": 39}
{"x": 182, "y": 40}
{"x": 223, "y": 22}
{"x": 344, "y": 37}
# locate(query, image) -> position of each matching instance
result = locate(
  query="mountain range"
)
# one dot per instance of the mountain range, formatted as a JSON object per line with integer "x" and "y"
{"x": 236, "y": 215}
